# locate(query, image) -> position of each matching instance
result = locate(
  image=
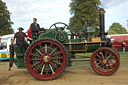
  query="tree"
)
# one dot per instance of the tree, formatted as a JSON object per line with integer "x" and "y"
{"x": 110, "y": 32}
{"x": 83, "y": 10}
{"x": 5, "y": 21}
{"x": 117, "y": 27}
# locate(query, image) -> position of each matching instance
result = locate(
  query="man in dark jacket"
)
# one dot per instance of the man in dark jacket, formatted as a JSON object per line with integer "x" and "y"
{"x": 35, "y": 28}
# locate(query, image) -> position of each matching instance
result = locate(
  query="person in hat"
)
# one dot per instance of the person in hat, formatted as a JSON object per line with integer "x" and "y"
{"x": 35, "y": 28}
{"x": 20, "y": 40}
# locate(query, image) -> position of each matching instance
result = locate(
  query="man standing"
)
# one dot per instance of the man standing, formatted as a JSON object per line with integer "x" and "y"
{"x": 20, "y": 40}
{"x": 35, "y": 28}
{"x": 123, "y": 45}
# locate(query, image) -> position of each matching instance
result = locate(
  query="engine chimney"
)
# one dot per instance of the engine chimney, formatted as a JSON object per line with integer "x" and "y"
{"x": 102, "y": 21}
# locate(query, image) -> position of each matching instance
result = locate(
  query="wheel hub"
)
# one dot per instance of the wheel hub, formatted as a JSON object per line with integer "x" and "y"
{"x": 105, "y": 61}
{"x": 46, "y": 59}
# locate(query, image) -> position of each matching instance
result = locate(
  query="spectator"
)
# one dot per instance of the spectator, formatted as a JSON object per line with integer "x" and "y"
{"x": 123, "y": 45}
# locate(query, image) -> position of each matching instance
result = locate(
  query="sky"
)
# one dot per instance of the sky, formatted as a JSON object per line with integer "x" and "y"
{"x": 49, "y": 12}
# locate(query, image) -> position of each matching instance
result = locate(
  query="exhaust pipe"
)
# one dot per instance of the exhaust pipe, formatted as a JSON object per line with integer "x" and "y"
{"x": 102, "y": 23}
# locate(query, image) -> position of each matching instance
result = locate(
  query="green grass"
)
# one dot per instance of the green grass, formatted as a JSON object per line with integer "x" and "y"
{"x": 82, "y": 64}
{"x": 123, "y": 60}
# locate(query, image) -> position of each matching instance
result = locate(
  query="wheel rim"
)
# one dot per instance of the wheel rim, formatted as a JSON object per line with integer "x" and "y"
{"x": 61, "y": 23}
{"x": 46, "y": 59}
{"x": 105, "y": 61}
{"x": 116, "y": 51}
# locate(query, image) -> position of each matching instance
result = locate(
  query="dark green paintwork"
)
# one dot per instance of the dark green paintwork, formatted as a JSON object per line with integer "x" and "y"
{"x": 50, "y": 33}
{"x": 19, "y": 61}
{"x": 62, "y": 36}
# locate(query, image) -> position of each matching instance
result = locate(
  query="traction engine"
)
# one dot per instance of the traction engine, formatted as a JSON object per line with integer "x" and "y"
{"x": 51, "y": 52}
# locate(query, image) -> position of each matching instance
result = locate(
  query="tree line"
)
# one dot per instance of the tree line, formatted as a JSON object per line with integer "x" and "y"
{"x": 82, "y": 10}
{"x": 117, "y": 28}
{"x": 5, "y": 20}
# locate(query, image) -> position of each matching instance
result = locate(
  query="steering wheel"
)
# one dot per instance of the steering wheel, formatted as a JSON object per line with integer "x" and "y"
{"x": 65, "y": 26}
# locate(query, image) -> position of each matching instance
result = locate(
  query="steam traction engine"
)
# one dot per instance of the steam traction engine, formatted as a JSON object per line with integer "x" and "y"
{"x": 50, "y": 53}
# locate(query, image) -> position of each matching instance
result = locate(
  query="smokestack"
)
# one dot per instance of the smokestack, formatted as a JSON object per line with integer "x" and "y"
{"x": 102, "y": 23}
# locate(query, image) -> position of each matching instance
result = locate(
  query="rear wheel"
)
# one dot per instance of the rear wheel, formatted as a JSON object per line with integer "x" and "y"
{"x": 46, "y": 59}
{"x": 105, "y": 61}
{"x": 116, "y": 51}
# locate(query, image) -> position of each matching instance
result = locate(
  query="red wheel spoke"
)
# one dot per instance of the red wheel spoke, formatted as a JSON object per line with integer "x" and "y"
{"x": 110, "y": 66}
{"x": 107, "y": 67}
{"x": 111, "y": 62}
{"x": 106, "y": 54}
{"x": 56, "y": 62}
{"x": 112, "y": 58}
{"x": 97, "y": 63}
{"x": 100, "y": 65}
{"x": 51, "y": 44}
{"x": 46, "y": 48}
{"x": 53, "y": 51}
{"x": 102, "y": 55}
{"x": 98, "y": 60}
{"x": 57, "y": 58}
{"x": 46, "y": 69}
{"x": 35, "y": 55}
{"x": 56, "y": 53}
{"x": 39, "y": 52}
{"x": 51, "y": 69}
{"x": 36, "y": 63}
{"x": 39, "y": 66}
{"x": 99, "y": 56}
{"x": 41, "y": 48}
{"x": 109, "y": 56}
{"x": 103, "y": 68}
{"x": 53, "y": 65}
{"x": 35, "y": 59}
{"x": 42, "y": 69}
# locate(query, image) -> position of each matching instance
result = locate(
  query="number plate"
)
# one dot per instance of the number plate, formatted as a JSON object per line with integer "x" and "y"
{"x": 3, "y": 56}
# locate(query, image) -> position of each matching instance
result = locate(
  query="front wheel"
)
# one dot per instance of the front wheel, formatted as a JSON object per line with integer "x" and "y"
{"x": 105, "y": 61}
{"x": 46, "y": 59}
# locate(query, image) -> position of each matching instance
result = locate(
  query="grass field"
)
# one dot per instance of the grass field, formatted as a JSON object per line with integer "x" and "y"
{"x": 123, "y": 60}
